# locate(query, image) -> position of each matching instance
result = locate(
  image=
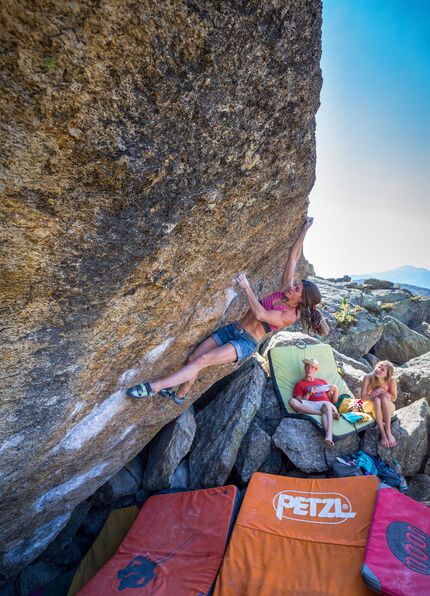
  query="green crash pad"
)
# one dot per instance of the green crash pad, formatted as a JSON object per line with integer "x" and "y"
{"x": 287, "y": 368}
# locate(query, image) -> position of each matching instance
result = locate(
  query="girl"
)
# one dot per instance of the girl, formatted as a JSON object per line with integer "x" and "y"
{"x": 381, "y": 388}
{"x": 235, "y": 342}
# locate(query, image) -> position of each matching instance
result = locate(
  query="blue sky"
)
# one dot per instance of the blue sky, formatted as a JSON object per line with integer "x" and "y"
{"x": 371, "y": 200}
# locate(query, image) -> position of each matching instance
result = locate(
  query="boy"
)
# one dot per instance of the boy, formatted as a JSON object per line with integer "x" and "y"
{"x": 316, "y": 396}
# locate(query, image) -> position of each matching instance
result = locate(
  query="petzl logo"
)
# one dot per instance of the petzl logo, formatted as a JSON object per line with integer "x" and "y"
{"x": 316, "y": 508}
{"x": 410, "y": 545}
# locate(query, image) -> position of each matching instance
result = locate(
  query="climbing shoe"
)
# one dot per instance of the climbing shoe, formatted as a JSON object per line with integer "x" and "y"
{"x": 141, "y": 390}
{"x": 171, "y": 394}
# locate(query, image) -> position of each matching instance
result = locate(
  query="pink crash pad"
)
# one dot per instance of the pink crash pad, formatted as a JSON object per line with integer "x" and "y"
{"x": 397, "y": 554}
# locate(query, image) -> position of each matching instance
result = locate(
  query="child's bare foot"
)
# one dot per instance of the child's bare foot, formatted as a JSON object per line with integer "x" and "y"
{"x": 328, "y": 441}
{"x": 336, "y": 415}
{"x": 385, "y": 442}
{"x": 391, "y": 440}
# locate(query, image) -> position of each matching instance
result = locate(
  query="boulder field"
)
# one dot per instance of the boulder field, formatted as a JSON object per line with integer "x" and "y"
{"x": 237, "y": 427}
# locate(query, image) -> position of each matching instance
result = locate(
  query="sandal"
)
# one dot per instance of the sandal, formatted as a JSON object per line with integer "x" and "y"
{"x": 171, "y": 394}
{"x": 141, "y": 390}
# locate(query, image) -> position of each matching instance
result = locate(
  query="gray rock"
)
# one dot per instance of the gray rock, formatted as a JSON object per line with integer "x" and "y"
{"x": 70, "y": 556}
{"x": 303, "y": 444}
{"x": 427, "y": 467}
{"x": 372, "y": 360}
{"x": 167, "y": 450}
{"x": 411, "y": 432}
{"x": 274, "y": 464}
{"x": 399, "y": 343}
{"x": 270, "y": 414}
{"x": 353, "y": 378}
{"x": 253, "y": 452}
{"x": 287, "y": 338}
{"x": 361, "y": 364}
{"x": 95, "y": 520}
{"x": 424, "y": 329}
{"x": 126, "y": 482}
{"x": 414, "y": 377}
{"x": 36, "y": 575}
{"x": 181, "y": 477}
{"x": 141, "y": 496}
{"x": 357, "y": 339}
{"x": 378, "y": 284}
{"x": 11, "y": 587}
{"x": 67, "y": 534}
{"x": 419, "y": 487}
{"x": 401, "y": 304}
{"x": 221, "y": 427}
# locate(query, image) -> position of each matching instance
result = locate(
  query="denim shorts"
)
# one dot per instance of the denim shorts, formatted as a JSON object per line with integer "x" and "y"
{"x": 244, "y": 343}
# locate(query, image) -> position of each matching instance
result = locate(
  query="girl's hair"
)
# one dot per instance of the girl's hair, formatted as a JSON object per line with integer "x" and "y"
{"x": 311, "y": 318}
{"x": 374, "y": 380}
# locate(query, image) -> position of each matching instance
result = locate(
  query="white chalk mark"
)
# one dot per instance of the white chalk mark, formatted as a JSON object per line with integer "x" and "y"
{"x": 126, "y": 377}
{"x": 230, "y": 295}
{"x": 63, "y": 490}
{"x": 155, "y": 353}
{"x": 94, "y": 422}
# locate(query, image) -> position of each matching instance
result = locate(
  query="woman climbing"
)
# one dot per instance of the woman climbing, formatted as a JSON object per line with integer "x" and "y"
{"x": 380, "y": 387}
{"x": 235, "y": 342}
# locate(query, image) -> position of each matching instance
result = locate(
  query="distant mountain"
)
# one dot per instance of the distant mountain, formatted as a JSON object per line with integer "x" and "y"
{"x": 413, "y": 276}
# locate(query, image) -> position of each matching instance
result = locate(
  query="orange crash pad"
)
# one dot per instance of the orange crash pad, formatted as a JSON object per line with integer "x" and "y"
{"x": 299, "y": 536}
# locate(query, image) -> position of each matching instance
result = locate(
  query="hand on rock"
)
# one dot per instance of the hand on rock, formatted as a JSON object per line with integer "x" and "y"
{"x": 242, "y": 281}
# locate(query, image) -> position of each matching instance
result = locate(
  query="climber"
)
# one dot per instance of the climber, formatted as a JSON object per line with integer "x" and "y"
{"x": 380, "y": 387}
{"x": 296, "y": 300}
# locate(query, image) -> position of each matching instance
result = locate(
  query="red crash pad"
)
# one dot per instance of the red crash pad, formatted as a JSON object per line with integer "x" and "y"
{"x": 175, "y": 546}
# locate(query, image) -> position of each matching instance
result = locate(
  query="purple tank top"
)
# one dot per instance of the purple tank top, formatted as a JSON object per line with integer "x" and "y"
{"x": 267, "y": 303}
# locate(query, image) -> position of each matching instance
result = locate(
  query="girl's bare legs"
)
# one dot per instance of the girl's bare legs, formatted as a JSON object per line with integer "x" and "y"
{"x": 219, "y": 355}
{"x": 206, "y": 346}
{"x": 387, "y": 411}
{"x": 379, "y": 417}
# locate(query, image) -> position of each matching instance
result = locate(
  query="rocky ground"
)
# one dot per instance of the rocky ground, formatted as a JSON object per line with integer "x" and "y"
{"x": 237, "y": 428}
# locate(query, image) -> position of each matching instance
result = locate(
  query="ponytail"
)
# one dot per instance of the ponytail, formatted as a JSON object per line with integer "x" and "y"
{"x": 310, "y": 317}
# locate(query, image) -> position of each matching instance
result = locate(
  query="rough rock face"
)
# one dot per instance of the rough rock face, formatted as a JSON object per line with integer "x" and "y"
{"x": 151, "y": 151}
{"x": 414, "y": 377}
{"x": 399, "y": 343}
{"x": 411, "y": 430}
{"x": 221, "y": 427}
{"x": 303, "y": 444}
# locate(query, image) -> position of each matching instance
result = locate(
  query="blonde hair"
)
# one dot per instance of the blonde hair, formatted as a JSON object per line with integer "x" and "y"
{"x": 374, "y": 381}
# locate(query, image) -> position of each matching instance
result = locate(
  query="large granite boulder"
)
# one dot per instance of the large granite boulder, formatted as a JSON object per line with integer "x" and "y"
{"x": 167, "y": 450}
{"x": 270, "y": 414}
{"x": 253, "y": 451}
{"x": 414, "y": 377}
{"x": 303, "y": 444}
{"x": 419, "y": 488}
{"x": 124, "y": 483}
{"x": 151, "y": 150}
{"x": 411, "y": 430}
{"x": 399, "y": 343}
{"x": 222, "y": 425}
